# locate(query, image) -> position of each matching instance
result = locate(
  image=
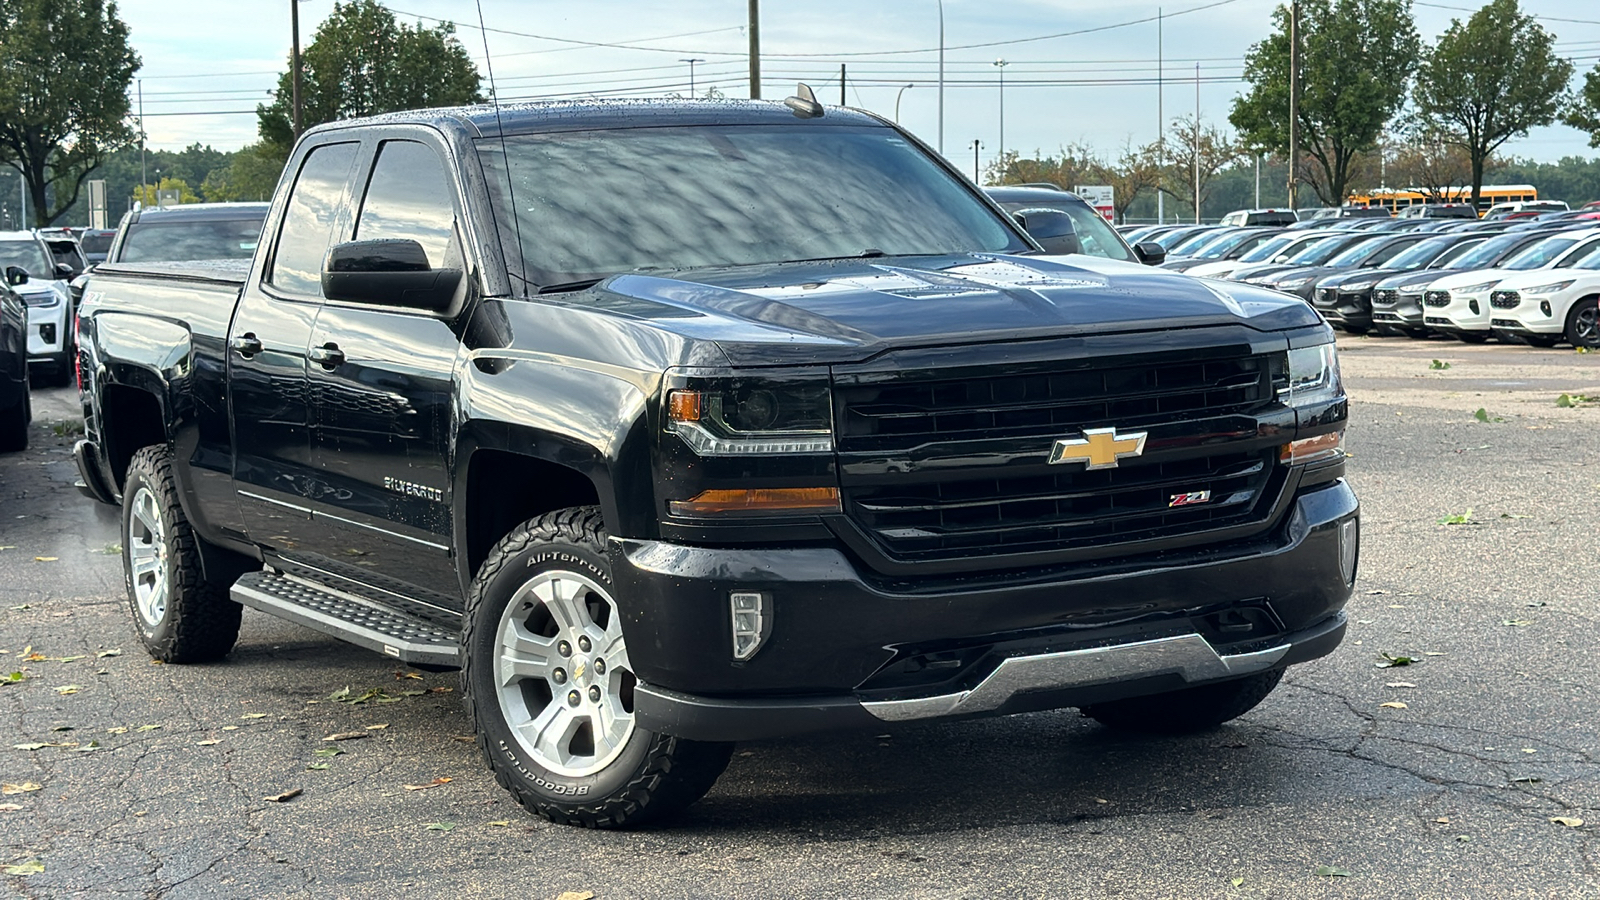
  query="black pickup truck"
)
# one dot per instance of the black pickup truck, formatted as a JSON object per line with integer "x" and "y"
{"x": 678, "y": 424}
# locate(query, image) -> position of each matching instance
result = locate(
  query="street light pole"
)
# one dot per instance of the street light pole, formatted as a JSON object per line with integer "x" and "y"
{"x": 691, "y": 63}
{"x": 1001, "y": 65}
{"x": 976, "y": 145}
{"x": 294, "y": 66}
{"x": 1161, "y": 124}
{"x": 755, "y": 49}
{"x": 1294, "y": 98}
{"x": 897, "y": 95}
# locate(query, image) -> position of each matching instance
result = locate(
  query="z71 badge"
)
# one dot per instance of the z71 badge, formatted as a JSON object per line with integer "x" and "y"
{"x": 1190, "y": 499}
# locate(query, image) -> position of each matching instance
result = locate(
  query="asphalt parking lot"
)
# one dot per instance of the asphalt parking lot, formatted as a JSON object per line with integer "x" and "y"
{"x": 1464, "y": 773}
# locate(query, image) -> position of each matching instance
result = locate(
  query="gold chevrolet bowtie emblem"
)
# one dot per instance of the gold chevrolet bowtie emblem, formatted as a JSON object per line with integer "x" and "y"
{"x": 1099, "y": 448}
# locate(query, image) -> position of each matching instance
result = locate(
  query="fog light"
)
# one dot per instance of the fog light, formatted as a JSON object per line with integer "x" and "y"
{"x": 1349, "y": 545}
{"x": 1544, "y": 307}
{"x": 750, "y": 623}
{"x": 47, "y": 333}
{"x": 1473, "y": 305}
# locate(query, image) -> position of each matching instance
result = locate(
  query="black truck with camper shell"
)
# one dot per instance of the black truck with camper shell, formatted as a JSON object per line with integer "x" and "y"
{"x": 673, "y": 424}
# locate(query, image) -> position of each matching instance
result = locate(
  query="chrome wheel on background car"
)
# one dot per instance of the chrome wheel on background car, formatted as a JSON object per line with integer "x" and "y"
{"x": 566, "y": 688}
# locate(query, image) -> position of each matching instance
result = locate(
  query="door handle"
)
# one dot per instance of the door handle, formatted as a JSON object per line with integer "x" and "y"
{"x": 246, "y": 344}
{"x": 329, "y": 355}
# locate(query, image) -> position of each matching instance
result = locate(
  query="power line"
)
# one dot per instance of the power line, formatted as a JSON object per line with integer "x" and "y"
{"x": 1533, "y": 15}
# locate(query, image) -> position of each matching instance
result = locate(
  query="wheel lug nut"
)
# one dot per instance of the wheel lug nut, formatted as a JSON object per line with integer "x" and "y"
{"x": 594, "y": 693}
{"x": 583, "y": 644}
{"x": 599, "y": 667}
{"x": 564, "y": 648}
{"x": 559, "y": 676}
{"x": 573, "y": 698}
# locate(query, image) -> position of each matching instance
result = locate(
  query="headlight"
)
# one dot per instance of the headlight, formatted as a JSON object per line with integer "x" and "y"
{"x": 1352, "y": 287}
{"x": 744, "y": 416}
{"x": 1550, "y": 288}
{"x": 1475, "y": 288}
{"x": 1289, "y": 284}
{"x": 1313, "y": 376}
{"x": 42, "y": 300}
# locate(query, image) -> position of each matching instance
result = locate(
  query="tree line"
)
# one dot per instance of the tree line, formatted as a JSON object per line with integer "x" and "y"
{"x": 1375, "y": 107}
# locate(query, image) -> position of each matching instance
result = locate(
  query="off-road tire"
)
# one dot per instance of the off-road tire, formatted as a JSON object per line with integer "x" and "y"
{"x": 199, "y": 622}
{"x": 653, "y": 775}
{"x": 1583, "y": 323}
{"x": 1189, "y": 709}
{"x": 14, "y": 424}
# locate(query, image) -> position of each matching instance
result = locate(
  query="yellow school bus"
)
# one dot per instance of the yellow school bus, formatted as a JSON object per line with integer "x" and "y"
{"x": 1488, "y": 195}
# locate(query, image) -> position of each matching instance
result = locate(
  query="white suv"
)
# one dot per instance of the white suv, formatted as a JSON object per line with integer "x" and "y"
{"x": 40, "y": 281}
{"x": 1549, "y": 305}
{"x": 1459, "y": 304}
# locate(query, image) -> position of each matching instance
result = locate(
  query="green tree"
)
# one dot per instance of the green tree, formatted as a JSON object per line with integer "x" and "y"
{"x": 1189, "y": 140}
{"x": 363, "y": 63}
{"x": 1584, "y": 112}
{"x": 65, "y": 67}
{"x": 1356, "y": 57}
{"x": 1491, "y": 80}
{"x": 250, "y": 174}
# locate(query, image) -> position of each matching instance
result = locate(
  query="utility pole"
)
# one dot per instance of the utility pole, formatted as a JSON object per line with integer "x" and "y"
{"x": 755, "y": 49}
{"x": 1258, "y": 181}
{"x": 691, "y": 63}
{"x": 976, "y": 145}
{"x": 897, "y": 95}
{"x": 1001, "y": 65}
{"x": 941, "y": 77}
{"x": 294, "y": 24}
{"x": 22, "y": 197}
{"x": 1294, "y": 98}
{"x": 1161, "y": 125}
{"x": 841, "y": 85}
{"x": 143, "y": 180}
{"x": 1197, "y": 143}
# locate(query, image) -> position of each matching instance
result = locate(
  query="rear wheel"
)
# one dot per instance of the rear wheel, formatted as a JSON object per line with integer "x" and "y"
{"x": 549, "y": 685}
{"x": 1189, "y": 709}
{"x": 1583, "y": 323}
{"x": 180, "y": 617}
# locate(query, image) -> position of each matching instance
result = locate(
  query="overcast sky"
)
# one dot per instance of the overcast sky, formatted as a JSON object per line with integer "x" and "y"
{"x": 206, "y": 65}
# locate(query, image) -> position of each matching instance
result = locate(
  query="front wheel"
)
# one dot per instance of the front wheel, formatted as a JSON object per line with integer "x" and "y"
{"x": 1189, "y": 709}
{"x": 1583, "y": 324}
{"x": 179, "y": 615}
{"x": 548, "y": 683}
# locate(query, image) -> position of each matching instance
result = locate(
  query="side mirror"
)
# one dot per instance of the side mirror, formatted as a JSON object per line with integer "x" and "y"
{"x": 388, "y": 273}
{"x": 65, "y": 272}
{"x": 16, "y": 275}
{"x": 1150, "y": 253}
{"x": 1052, "y": 228}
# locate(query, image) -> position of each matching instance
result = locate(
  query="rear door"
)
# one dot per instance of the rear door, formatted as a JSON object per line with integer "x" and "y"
{"x": 381, "y": 384}
{"x": 269, "y": 398}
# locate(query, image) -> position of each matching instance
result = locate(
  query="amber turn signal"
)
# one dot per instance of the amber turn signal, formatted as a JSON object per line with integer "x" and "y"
{"x": 1314, "y": 449}
{"x": 758, "y": 500}
{"x": 685, "y": 406}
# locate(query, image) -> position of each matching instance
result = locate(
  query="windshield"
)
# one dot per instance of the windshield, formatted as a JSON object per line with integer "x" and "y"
{"x": 30, "y": 255}
{"x": 1266, "y": 250}
{"x": 1487, "y": 252}
{"x": 594, "y": 203}
{"x": 1197, "y": 242}
{"x": 1220, "y": 247}
{"x": 1421, "y": 253}
{"x": 97, "y": 241}
{"x": 1540, "y": 254}
{"x": 1175, "y": 237}
{"x": 157, "y": 241}
{"x": 1358, "y": 254}
{"x": 1321, "y": 251}
{"x": 1448, "y": 259}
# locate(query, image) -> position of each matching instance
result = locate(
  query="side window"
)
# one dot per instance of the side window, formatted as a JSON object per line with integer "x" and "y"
{"x": 408, "y": 197}
{"x": 1578, "y": 255}
{"x": 307, "y": 230}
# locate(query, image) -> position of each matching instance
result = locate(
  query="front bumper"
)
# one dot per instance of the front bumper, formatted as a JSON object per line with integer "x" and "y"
{"x": 1467, "y": 313}
{"x": 1403, "y": 310}
{"x": 845, "y": 649}
{"x": 1349, "y": 308}
{"x": 1537, "y": 313}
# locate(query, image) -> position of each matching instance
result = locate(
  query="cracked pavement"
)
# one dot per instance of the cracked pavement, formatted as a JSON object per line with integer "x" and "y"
{"x": 152, "y": 778}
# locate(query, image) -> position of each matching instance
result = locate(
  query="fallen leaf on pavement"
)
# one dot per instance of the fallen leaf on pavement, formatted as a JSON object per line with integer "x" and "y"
{"x": 208, "y": 743}
{"x": 30, "y": 867}
{"x": 1399, "y": 684}
{"x": 1516, "y": 623}
{"x": 317, "y": 767}
{"x": 377, "y": 727}
{"x": 1569, "y": 821}
{"x": 105, "y": 653}
{"x": 575, "y": 895}
{"x": 148, "y": 728}
{"x": 330, "y": 752}
{"x": 1392, "y": 704}
{"x": 68, "y": 689}
{"x": 503, "y": 823}
{"x": 9, "y": 807}
{"x": 284, "y": 797}
{"x": 432, "y": 784}
{"x": 45, "y": 559}
{"x": 86, "y": 748}
{"x": 33, "y": 746}
{"x": 1237, "y": 882}
{"x": 1390, "y": 662}
{"x": 347, "y": 736}
{"x": 441, "y": 826}
{"x": 27, "y": 787}
{"x": 1331, "y": 872}
{"x": 254, "y": 716}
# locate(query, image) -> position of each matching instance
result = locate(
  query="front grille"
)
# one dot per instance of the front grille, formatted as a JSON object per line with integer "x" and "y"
{"x": 1385, "y": 317}
{"x": 1061, "y": 511}
{"x": 1436, "y": 320}
{"x": 978, "y": 447}
{"x": 1505, "y": 299}
{"x": 1505, "y": 323}
{"x": 1436, "y": 298}
{"x": 901, "y": 416}
{"x": 1385, "y": 297}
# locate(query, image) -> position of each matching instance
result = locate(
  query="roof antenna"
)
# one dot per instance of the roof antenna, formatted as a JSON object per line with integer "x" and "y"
{"x": 511, "y": 196}
{"x": 804, "y": 103}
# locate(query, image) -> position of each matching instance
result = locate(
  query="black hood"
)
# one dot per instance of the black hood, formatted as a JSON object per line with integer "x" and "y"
{"x": 849, "y": 309}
